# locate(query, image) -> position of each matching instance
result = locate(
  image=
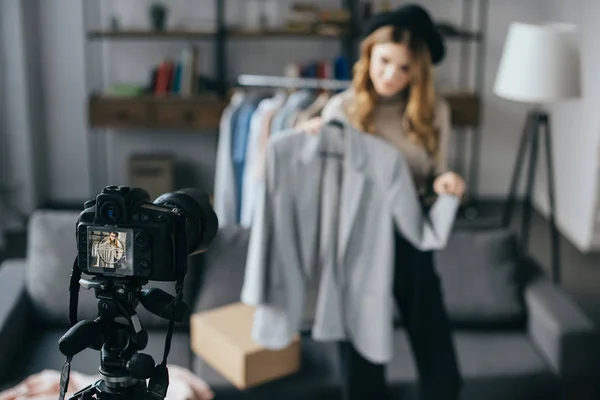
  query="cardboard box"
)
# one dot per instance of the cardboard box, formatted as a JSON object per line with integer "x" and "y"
{"x": 222, "y": 338}
{"x": 153, "y": 172}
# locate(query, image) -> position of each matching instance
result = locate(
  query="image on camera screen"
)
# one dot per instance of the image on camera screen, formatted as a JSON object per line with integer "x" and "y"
{"x": 110, "y": 251}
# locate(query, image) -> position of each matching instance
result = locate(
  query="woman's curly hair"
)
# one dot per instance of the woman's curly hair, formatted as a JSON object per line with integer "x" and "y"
{"x": 419, "y": 114}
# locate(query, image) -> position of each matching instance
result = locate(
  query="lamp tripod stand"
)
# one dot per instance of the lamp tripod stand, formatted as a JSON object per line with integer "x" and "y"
{"x": 536, "y": 125}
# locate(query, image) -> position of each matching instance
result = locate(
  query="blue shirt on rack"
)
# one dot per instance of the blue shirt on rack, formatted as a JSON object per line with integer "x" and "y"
{"x": 239, "y": 145}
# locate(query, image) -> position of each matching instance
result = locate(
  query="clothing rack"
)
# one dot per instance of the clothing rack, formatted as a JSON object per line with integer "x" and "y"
{"x": 290, "y": 82}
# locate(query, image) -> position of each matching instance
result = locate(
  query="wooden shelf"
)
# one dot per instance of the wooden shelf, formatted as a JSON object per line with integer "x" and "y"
{"x": 127, "y": 34}
{"x": 283, "y": 33}
{"x": 451, "y": 32}
{"x": 150, "y": 34}
{"x": 465, "y": 107}
{"x": 245, "y": 34}
{"x": 201, "y": 113}
{"x": 463, "y": 36}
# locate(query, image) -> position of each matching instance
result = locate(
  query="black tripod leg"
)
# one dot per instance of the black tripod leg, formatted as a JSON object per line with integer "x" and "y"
{"x": 514, "y": 183}
{"x": 554, "y": 236}
{"x": 527, "y": 210}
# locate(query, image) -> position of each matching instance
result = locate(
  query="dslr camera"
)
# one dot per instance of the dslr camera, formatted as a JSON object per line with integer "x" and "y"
{"x": 122, "y": 234}
{"x": 123, "y": 241}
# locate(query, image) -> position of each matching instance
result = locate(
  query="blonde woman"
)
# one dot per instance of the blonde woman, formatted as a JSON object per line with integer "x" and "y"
{"x": 393, "y": 96}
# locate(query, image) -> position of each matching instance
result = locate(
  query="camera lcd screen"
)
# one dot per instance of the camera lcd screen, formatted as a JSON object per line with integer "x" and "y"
{"x": 110, "y": 251}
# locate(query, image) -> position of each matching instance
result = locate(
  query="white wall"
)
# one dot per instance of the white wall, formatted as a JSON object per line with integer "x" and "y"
{"x": 575, "y": 132}
{"x": 65, "y": 97}
{"x": 44, "y": 100}
{"x": 21, "y": 143}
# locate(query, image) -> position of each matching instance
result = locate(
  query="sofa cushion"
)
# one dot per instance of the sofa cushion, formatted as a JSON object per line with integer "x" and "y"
{"x": 494, "y": 366}
{"x": 51, "y": 250}
{"x": 223, "y": 266}
{"x": 481, "y": 280}
{"x": 484, "y": 261}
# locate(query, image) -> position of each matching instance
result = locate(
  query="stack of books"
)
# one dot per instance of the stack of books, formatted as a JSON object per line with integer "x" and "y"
{"x": 179, "y": 77}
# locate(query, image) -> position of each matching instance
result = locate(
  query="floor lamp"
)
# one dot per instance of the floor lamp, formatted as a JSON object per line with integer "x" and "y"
{"x": 539, "y": 66}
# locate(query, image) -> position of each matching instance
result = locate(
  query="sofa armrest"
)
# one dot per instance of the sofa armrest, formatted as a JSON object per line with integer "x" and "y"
{"x": 564, "y": 335}
{"x": 14, "y": 311}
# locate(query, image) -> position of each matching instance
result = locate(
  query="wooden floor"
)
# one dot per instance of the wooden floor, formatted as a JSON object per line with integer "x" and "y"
{"x": 580, "y": 272}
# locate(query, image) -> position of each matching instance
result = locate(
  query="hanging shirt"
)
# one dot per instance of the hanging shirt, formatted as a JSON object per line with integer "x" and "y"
{"x": 295, "y": 103}
{"x": 327, "y": 265}
{"x": 240, "y": 144}
{"x": 224, "y": 201}
{"x": 377, "y": 199}
{"x": 252, "y": 178}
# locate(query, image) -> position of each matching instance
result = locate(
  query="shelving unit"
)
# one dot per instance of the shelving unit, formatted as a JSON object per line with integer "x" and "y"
{"x": 199, "y": 113}
{"x": 222, "y": 34}
{"x": 151, "y": 35}
{"x": 210, "y": 35}
{"x": 202, "y": 113}
{"x": 471, "y": 209}
{"x": 125, "y": 113}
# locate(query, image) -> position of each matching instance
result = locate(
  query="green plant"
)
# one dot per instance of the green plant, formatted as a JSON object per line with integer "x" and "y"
{"x": 158, "y": 15}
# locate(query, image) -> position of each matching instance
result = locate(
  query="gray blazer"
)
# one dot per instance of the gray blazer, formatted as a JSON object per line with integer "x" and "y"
{"x": 355, "y": 300}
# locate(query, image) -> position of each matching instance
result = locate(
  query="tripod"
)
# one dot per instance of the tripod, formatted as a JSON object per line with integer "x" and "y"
{"x": 537, "y": 123}
{"x": 123, "y": 369}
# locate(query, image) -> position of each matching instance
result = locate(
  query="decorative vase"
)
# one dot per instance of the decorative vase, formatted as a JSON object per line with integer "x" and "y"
{"x": 158, "y": 16}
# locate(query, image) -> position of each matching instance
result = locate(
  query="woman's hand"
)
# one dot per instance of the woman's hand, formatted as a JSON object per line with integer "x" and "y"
{"x": 449, "y": 183}
{"x": 187, "y": 386}
{"x": 311, "y": 126}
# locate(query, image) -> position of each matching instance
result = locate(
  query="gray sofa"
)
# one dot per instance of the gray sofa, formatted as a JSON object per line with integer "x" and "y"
{"x": 518, "y": 336}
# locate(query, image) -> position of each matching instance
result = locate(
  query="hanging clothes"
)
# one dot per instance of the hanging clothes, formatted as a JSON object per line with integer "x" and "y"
{"x": 240, "y": 145}
{"x": 295, "y": 103}
{"x": 355, "y": 300}
{"x": 224, "y": 200}
{"x": 257, "y": 138}
{"x": 313, "y": 110}
{"x": 325, "y": 266}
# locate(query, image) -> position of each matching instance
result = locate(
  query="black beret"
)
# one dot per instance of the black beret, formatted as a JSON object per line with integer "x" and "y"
{"x": 417, "y": 21}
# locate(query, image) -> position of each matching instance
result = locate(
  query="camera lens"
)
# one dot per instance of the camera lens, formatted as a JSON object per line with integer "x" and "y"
{"x": 110, "y": 212}
{"x": 202, "y": 222}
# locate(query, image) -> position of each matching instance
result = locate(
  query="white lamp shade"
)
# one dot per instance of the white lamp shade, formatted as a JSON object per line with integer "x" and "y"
{"x": 539, "y": 64}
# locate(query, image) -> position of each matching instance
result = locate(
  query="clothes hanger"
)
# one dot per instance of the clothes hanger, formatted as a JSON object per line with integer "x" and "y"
{"x": 315, "y": 108}
{"x": 337, "y": 123}
{"x": 280, "y": 94}
{"x": 340, "y": 128}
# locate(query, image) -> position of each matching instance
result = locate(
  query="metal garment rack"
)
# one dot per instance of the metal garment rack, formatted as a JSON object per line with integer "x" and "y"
{"x": 291, "y": 82}
{"x": 347, "y": 40}
{"x": 481, "y": 25}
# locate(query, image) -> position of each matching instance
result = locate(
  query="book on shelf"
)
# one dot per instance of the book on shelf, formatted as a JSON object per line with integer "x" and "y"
{"x": 179, "y": 76}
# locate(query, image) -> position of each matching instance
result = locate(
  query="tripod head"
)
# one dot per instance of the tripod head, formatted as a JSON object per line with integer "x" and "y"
{"x": 119, "y": 336}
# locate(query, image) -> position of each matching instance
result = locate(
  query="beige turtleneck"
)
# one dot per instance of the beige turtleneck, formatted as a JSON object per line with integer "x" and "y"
{"x": 388, "y": 125}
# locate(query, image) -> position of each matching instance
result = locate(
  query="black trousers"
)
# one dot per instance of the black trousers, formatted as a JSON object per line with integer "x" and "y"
{"x": 419, "y": 298}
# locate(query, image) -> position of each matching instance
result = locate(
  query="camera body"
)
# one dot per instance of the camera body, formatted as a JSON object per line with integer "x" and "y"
{"x": 122, "y": 234}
